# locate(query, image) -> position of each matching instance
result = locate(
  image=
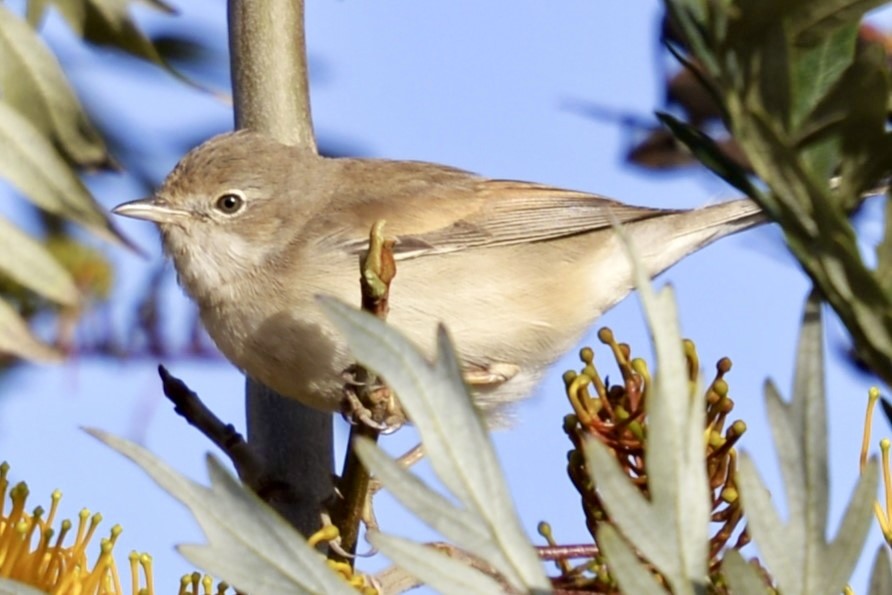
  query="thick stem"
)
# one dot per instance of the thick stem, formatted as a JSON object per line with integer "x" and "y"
{"x": 271, "y": 95}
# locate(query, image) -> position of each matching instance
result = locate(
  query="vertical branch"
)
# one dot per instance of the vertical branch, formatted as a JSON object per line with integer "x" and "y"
{"x": 271, "y": 94}
{"x": 270, "y": 81}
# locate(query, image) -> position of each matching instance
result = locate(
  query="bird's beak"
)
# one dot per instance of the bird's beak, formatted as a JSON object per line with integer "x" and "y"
{"x": 153, "y": 209}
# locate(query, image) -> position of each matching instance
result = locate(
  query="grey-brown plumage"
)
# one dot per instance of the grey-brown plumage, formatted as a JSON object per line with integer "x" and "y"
{"x": 516, "y": 270}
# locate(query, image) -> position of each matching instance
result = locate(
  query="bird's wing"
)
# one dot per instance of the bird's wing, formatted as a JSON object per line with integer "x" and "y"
{"x": 518, "y": 212}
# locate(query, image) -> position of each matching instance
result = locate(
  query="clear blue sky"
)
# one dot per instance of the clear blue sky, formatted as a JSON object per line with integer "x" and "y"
{"x": 462, "y": 82}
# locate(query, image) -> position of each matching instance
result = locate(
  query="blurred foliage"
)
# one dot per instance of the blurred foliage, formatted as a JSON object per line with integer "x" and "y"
{"x": 48, "y": 141}
{"x": 803, "y": 89}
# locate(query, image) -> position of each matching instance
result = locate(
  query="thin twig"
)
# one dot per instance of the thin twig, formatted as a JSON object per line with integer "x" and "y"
{"x": 377, "y": 271}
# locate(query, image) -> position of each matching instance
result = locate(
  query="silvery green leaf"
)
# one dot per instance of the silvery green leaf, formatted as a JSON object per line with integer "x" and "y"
{"x": 881, "y": 575}
{"x": 796, "y": 552}
{"x": 454, "y": 436}
{"x": 743, "y": 578}
{"x": 435, "y": 568}
{"x": 31, "y": 164}
{"x": 34, "y": 84}
{"x": 455, "y": 524}
{"x": 18, "y": 340}
{"x": 26, "y": 261}
{"x": 839, "y": 557}
{"x": 249, "y": 545}
{"x": 670, "y": 530}
{"x": 625, "y": 567}
{"x": 629, "y": 510}
{"x": 11, "y": 587}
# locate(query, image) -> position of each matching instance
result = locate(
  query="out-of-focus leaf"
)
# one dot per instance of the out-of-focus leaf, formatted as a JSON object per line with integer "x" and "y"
{"x": 11, "y": 587}
{"x": 33, "y": 83}
{"x": 743, "y": 578}
{"x": 709, "y": 153}
{"x": 814, "y": 20}
{"x": 670, "y": 529}
{"x": 26, "y": 261}
{"x": 436, "y": 569}
{"x": 108, "y": 22}
{"x": 881, "y": 575}
{"x": 884, "y": 251}
{"x": 30, "y": 163}
{"x": 18, "y": 340}
{"x": 455, "y": 440}
{"x": 249, "y": 545}
{"x": 796, "y": 552}
{"x": 625, "y": 566}
{"x": 818, "y": 68}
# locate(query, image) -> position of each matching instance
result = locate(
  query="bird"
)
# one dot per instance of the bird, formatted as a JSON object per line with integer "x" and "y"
{"x": 517, "y": 271}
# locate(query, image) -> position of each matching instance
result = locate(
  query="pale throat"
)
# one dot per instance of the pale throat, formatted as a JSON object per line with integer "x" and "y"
{"x": 211, "y": 265}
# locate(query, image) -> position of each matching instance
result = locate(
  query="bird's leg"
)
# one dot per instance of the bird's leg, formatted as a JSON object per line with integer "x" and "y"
{"x": 370, "y": 402}
{"x": 490, "y": 375}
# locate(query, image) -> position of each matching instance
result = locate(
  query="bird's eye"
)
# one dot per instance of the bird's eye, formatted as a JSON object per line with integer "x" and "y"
{"x": 229, "y": 203}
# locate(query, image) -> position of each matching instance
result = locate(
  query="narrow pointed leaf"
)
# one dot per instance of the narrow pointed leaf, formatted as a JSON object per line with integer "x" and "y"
{"x": 31, "y": 164}
{"x": 452, "y": 431}
{"x": 839, "y": 559}
{"x": 436, "y": 569}
{"x": 629, "y": 510}
{"x": 457, "y": 525}
{"x": 26, "y": 261}
{"x": 881, "y": 575}
{"x": 249, "y": 545}
{"x": 34, "y": 84}
{"x": 782, "y": 555}
{"x": 630, "y": 573}
{"x": 743, "y": 578}
{"x": 18, "y": 340}
{"x": 675, "y": 452}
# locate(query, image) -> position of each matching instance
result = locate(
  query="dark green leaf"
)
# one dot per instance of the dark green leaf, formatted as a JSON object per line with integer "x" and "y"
{"x": 817, "y": 68}
{"x": 709, "y": 153}
{"x": 816, "y": 19}
{"x": 884, "y": 252}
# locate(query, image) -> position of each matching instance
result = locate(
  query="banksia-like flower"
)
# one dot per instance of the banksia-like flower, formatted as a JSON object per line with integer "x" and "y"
{"x": 616, "y": 415}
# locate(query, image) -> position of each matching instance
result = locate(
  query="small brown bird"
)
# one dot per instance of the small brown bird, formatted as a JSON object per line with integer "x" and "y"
{"x": 516, "y": 270}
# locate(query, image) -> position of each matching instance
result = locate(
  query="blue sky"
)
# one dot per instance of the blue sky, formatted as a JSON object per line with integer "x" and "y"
{"x": 465, "y": 83}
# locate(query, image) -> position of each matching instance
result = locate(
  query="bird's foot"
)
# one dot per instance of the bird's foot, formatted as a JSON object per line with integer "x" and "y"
{"x": 369, "y": 402}
{"x": 490, "y": 375}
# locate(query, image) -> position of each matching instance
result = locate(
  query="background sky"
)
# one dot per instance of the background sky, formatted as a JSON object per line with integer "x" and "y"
{"x": 474, "y": 85}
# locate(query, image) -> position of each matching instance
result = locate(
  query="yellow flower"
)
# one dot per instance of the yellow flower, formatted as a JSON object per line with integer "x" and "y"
{"x": 32, "y": 553}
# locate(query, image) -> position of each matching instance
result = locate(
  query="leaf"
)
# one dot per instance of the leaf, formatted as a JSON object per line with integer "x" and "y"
{"x": 12, "y": 587}
{"x": 34, "y": 84}
{"x": 884, "y": 251}
{"x": 709, "y": 153}
{"x": 630, "y": 573}
{"x": 249, "y": 545}
{"x": 30, "y": 163}
{"x": 671, "y": 529}
{"x": 16, "y": 338}
{"x": 436, "y": 569}
{"x": 881, "y": 575}
{"x": 453, "y": 434}
{"x": 815, "y": 20}
{"x": 816, "y": 69}
{"x": 458, "y": 525}
{"x": 796, "y": 552}
{"x": 26, "y": 261}
{"x": 743, "y": 578}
